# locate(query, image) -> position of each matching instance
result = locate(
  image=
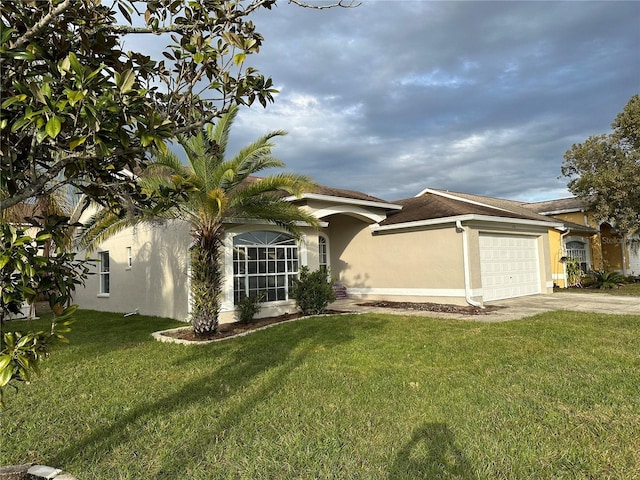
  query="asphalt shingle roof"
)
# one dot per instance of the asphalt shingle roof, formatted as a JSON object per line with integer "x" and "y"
{"x": 432, "y": 206}
{"x": 571, "y": 203}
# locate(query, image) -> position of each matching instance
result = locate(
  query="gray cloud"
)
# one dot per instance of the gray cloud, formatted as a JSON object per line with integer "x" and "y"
{"x": 481, "y": 97}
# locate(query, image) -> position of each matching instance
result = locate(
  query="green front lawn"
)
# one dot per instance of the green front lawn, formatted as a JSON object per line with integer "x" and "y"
{"x": 344, "y": 397}
{"x": 627, "y": 289}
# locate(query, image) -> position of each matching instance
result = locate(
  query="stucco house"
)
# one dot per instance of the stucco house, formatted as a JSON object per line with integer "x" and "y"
{"x": 597, "y": 245}
{"x": 435, "y": 247}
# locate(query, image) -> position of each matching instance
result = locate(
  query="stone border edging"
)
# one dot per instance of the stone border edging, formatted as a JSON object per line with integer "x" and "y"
{"x": 29, "y": 471}
{"x": 161, "y": 337}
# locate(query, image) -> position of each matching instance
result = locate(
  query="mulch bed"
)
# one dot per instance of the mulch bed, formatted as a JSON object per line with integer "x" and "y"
{"x": 434, "y": 307}
{"x": 231, "y": 329}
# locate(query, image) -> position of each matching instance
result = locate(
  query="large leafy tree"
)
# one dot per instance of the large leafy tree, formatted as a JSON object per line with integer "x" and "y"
{"x": 220, "y": 191}
{"x": 77, "y": 108}
{"x": 605, "y": 170}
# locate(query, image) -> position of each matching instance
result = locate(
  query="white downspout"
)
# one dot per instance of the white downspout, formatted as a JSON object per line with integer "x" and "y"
{"x": 562, "y": 251}
{"x": 465, "y": 262}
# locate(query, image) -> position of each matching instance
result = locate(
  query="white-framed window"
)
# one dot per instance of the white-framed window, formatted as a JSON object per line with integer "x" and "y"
{"x": 577, "y": 250}
{"x": 264, "y": 263}
{"x": 104, "y": 273}
{"x": 323, "y": 258}
{"x": 129, "y": 258}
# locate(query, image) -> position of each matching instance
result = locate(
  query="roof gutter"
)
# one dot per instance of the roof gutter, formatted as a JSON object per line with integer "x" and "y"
{"x": 467, "y": 218}
{"x": 562, "y": 250}
{"x": 465, "y": 262}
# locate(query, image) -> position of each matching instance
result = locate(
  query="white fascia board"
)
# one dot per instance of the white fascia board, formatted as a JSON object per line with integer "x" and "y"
{"x": 255, "y": 221}
{"x": 558, "y": 212}
{"x": 462, "y": 199}
{"x": 465, "y": 218}
{"x": 345, "y": 200}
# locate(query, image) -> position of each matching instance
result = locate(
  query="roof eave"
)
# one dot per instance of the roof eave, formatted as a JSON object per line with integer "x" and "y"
{"x": 466, "y": 218}
{"x": 343, "y": 200}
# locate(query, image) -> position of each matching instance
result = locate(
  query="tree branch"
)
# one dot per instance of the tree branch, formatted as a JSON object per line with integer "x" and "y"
{"x": 44, "y": 22}
{"x": 339, "y": 3}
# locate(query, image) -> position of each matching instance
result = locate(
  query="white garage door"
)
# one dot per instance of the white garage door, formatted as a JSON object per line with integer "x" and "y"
{"x": 508, "y": 266}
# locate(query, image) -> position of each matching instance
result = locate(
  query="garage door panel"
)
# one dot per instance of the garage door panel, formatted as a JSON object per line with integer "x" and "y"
{"x": 509, "y": 266}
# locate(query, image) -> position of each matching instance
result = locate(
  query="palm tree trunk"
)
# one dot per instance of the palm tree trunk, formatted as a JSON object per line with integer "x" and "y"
{"x": 206, "y": 283}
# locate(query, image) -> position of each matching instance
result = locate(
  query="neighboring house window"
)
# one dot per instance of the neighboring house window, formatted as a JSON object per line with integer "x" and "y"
{"x": 578, "y": 251}
{"x": 129, "y": 258}
{"x": 264, "y": 263}
{"x": 322, "y": 254}
{"x": 104, "y": 272}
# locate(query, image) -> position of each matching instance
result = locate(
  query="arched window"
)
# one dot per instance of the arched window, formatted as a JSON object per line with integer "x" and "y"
{"x": 323, "y": 261}
{"x": 264, "y": 263}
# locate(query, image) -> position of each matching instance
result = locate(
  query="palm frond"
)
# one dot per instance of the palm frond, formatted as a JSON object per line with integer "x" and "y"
{"x": 100, "y": 226}
{"x": 284, "y": 183}
{"x": 220, "y": 133}
{"x": 257, "y": 156}
{"x": 278, "y": 212}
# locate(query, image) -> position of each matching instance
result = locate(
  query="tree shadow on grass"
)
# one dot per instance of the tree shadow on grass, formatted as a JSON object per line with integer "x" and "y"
{"x": 432, "y": 453}
{"x": 252, "y": 370}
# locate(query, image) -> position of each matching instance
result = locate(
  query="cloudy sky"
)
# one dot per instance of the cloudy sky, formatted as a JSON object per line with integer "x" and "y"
{"x": 480, "y": 97}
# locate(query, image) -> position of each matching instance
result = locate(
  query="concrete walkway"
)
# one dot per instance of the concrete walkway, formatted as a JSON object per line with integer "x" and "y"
{"x": 516, "y": 308}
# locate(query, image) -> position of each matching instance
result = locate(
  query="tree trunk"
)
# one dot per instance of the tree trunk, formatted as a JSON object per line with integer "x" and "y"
{"x": 206, "y": 284}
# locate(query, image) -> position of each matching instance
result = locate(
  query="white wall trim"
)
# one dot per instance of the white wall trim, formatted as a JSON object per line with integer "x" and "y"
{"x": 346, "y": 200}
{"x": 352, "y": 210}
{"x": 415, "y": 292}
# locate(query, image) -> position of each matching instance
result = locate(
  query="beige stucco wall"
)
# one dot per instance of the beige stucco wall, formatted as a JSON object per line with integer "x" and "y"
{"x": 419, "y": 265}
{"x": 156, "y": 282}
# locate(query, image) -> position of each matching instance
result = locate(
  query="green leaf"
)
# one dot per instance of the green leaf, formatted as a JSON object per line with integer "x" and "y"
{"x": 53, "y": 127}
{"x": 4, "y": 361}
{"x": 75, "y": 64}
{"x": 19, "y": 124}
{"x": 64, "y": 65}
{"x": 239, "y": 58}
{"x": 76, "y": 141}
{"x": 6, "y": 374}
{"x": 198, "y": 57}
{"x": 146, "y": 139}
{"x": 4, "y": 260}
{"x": 11, "y": 100}
{"x": 43, "y": 237}
{"x": 74, "y": 96}
{"x": 125, "y": 80}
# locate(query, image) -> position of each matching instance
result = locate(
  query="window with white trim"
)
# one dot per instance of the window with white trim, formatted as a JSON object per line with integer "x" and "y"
{"x": 577, "y": 251}
{"x": 104, "y": 273}
{"x": 323, "y": 261}
{"x": 264, "y": 263}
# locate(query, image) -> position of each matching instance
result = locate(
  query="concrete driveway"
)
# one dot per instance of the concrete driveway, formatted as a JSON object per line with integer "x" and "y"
{"x": 522, "y": 307}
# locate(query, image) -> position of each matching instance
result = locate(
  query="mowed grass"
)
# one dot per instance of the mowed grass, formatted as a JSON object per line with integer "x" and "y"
{"x": 340, "y": 397}
{"x": 627, "y": 289}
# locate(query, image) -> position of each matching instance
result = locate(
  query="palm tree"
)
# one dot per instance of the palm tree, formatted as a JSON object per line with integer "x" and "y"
{"x": 219, "y": 191}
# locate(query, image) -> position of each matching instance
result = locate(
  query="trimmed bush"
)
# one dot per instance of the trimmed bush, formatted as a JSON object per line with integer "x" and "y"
{"x": 249, "y": 307}
{"x": 312, "y": 291}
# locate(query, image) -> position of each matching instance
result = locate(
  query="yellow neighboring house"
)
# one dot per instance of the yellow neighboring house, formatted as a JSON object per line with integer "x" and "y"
{"x": 595, "y": 245}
